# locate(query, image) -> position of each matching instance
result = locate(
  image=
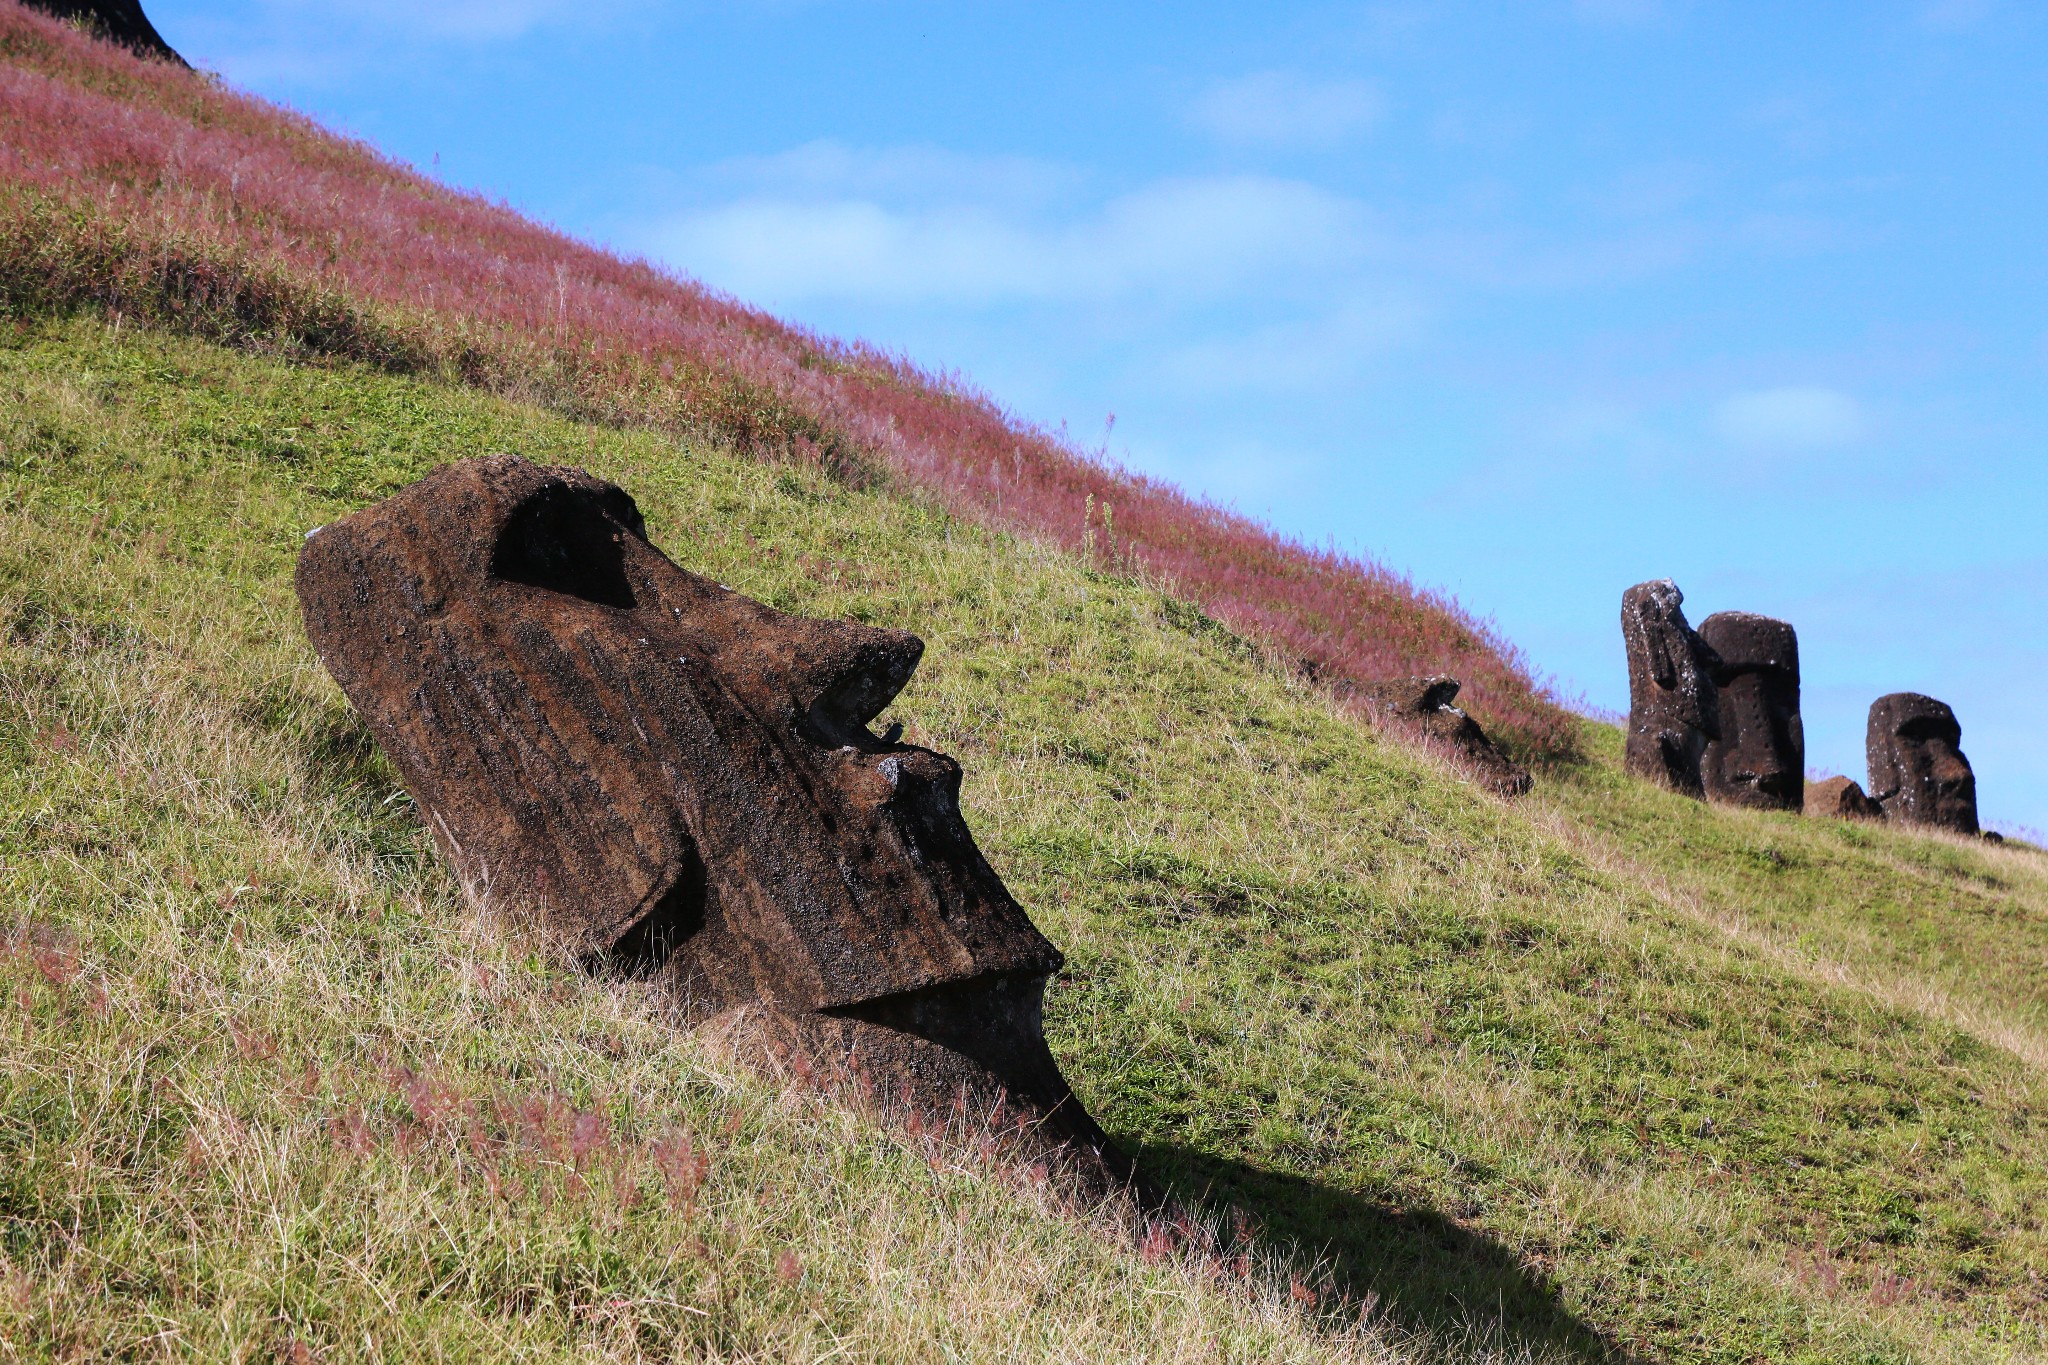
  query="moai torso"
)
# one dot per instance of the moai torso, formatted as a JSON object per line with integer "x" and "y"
{"x": 1917, "y": 770}
{"x": 1759, "y": 759}
{"x": 1672, "y": 710}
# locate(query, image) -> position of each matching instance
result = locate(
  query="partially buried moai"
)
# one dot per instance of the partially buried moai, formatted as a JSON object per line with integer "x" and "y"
{"x": 1917, "y": 770}
{"x": 1759, "y": 758}
{"x": 1422, "y": 707}
{"x": 669, "y": 776}
{"x": 1672, "y": 708}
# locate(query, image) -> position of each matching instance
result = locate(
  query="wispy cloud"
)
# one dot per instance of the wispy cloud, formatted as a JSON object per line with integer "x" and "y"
{"x": 1607, "y": 13}
{"x": 1791, "y": 419}
{"x": 1955, "y": 15}
{"x": 1294, "y": 357}
{"x": 302, "y": 43}
{"x": 922, "y": 228}
{"x": 1283, "y": 109}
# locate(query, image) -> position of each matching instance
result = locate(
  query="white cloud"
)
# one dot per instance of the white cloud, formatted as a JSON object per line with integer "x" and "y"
{"x": 1955, "y": 15}
{"x": 1618, "y": 12}
{"x": 1184, "y": 240}
{"x": 268, "y": 44}
{"x": 1292, "y": 357}
{"x": 1281, "y": 109}
{"x": 443, "y": 20}
{"x": 1652, "y": 191}
{"x": 1791, "y": 418}
{"x": 915, "y": 174}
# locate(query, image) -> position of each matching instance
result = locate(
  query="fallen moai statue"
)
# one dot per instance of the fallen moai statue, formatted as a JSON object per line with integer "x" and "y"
{"x": 1839, "y": 798}
{"x": 1672, "y": 709}
{"x": 1917, "y": 769}
{"x": 1422, "y": 706}
{"x": 672, "y": 777}
{"x": 1759, "y": 758}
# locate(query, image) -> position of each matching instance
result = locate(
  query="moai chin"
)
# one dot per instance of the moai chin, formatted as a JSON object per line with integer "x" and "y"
{"x": 1917, "y": 770}
{"x": 674, "y": 778}
{"x": 1759, "y": 759}
{"x": 1422, "y": 706}
{"x": 1672, "y": 708}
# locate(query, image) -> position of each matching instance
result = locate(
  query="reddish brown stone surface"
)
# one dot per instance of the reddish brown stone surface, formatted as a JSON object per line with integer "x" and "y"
{"x": 674, "y": 778}
{"x": 1917, "y": 769}
{"x": 1839, "y": 798}
{"x": 1421, "y": 707}
{"x": 1759, "y": 758}
{"x": 1673, "y": 711}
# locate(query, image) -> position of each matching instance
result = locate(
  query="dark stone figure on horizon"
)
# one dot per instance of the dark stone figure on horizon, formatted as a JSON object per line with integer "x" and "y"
{"x": 668, "y": 777}
{"x": 1672, "y": 710}
{"x": 1422, "y": 707}
{"x": 1917, "y": 770}
{"x": 1759, "y": 759}
{"x": 118, "y": 21}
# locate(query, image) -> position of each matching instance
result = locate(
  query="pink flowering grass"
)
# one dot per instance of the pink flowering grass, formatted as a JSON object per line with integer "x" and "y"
{"x": 158, "y": 195}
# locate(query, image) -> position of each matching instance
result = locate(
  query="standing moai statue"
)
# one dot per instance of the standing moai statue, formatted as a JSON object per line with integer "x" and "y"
{"x": 1672, "y": 709}
{"x": 1759, "y": 758}
{"x": 1917, "y": 770}
{"x": 676, "y": 779}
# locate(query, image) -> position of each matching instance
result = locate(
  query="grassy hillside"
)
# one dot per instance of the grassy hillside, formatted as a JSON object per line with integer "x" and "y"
{"x": 148, "y": 191}
{"x": 1602, "y": 1072}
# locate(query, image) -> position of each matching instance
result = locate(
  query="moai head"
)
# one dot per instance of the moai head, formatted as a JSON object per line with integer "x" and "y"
{"x": 672, "y": 777}
{"x": 1759, "y": 759}
{"x": 1839, "y": 798}
{"x": 1672, "y": 708}
{"x": 1422, "y": 707}
{"x": 1917, "y": 769}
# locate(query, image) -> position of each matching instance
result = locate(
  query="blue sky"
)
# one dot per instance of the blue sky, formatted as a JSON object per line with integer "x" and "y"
{"x": 1532, "y": 301}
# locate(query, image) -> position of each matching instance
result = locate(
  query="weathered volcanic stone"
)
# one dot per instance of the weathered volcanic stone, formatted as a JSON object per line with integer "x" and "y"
{"x": 1672, "y": 708}
{"x": 1917, "y": 769}
{"x": 1759, "y": 759}
{"x": 1839, "y": 798}
{"x": 1422, "y": 707}
{"x": 118, "y": 21}
{"x": 670, "y": 777}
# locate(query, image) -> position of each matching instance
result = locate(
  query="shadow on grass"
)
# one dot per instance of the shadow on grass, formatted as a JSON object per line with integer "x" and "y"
{"x": 1423, "y": 1271}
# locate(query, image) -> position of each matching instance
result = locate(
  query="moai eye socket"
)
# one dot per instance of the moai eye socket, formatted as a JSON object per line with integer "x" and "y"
{"x": 564, "y": 540}
{"x": 1927, "y": 729}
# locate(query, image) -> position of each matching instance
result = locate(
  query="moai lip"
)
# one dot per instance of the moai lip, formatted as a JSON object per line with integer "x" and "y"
{"x": 1840, "y": 798}
{"x": 1759, "y": 758}
{"x": 1422, "y": 706}
{"x": 670, "y": 777}
{"x": 1917, "y": 770}
{"x": 1673, "y": 711}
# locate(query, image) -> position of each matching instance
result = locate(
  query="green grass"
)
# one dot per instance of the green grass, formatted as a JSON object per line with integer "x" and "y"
{"x": 1604, "y": 1071}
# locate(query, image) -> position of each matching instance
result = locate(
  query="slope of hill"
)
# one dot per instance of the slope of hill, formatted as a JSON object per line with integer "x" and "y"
{"x": 1601, "y": 1072}
{"x": 143, "y": 189}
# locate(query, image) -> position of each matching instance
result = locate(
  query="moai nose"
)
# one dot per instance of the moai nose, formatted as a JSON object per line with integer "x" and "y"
{"x": 852, "y": 671}
{"x": 1950, "y": 769}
